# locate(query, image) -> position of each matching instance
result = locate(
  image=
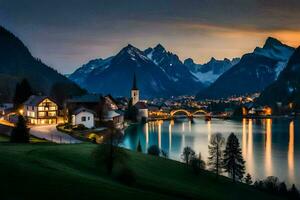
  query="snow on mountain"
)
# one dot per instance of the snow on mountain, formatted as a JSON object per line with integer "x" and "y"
{"x": 276, "y": 50}
{"x": 82, "y": 72}
{"x": 210, "y": 71}
{"x": 253, "y": 73}
{"x": 160, "y": 73}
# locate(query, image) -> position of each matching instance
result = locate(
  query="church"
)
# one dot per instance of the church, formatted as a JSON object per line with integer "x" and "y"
{"x": 142, "y": 108}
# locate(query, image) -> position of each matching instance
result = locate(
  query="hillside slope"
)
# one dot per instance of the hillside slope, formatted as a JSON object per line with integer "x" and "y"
{"x": 16, "y": 63}
{"x": 51, "y": 171}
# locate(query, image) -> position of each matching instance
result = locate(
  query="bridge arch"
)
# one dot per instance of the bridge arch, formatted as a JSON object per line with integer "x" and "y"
{"x": 173, "y": 112}
{"x": 200, "y": 111}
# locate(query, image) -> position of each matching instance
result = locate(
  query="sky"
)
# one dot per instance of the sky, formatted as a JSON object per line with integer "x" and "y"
{"x": 66, "y": 34}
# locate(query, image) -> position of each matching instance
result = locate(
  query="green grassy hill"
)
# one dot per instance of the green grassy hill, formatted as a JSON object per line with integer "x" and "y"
{"x": 49, "y": 171}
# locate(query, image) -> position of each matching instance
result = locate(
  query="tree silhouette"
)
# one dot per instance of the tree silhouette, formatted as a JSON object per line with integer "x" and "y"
{"x": 22, "y": 92}
{"x": 248, "y": 179}
{"x": 233, "y": 162}
{"x": 20, "y": 133}
{"x": 187, "y": 155}
{"x": 109, "y": 153}
{"x": 215, "y": 157}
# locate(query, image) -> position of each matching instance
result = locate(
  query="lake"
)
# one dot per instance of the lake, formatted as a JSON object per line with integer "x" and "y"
{"x": 270, "y": 147}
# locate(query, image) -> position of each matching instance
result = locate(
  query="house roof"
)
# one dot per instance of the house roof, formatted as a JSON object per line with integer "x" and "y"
{"x": 141, "y": 105}
{"x": 82, "y": 109}
{"x": 111, "y": 114}
{"x": 34, "y": 100}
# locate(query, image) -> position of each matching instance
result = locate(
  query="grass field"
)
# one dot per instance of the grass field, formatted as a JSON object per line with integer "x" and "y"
{"x": 50, "y": 171}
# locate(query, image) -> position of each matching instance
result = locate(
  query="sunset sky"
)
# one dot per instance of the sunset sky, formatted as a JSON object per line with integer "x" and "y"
{"x": 66, "y": 34}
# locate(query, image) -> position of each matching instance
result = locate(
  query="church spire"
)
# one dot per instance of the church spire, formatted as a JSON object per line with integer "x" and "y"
{"x": 134, "y": 85}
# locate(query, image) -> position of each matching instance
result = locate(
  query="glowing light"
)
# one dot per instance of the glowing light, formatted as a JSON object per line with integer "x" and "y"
{"x": 147, "y": 134}
{"x": 21, "y": 111}
{"x": 250, "y": 147}
{"x": 244, "y": 139}
{"x": 291, "y": 162}
{"x": 159, "y": 135}
{"x": 170, "y": 137}
{"x": 209, "y": 130}
{"x": 268, "y": 155}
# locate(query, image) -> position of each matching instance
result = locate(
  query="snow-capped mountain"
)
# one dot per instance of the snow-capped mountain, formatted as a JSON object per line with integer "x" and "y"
{"x": 286, "y": 88}
{"x": 158, "y": 74}
{"x": 253, "y": 73}
{"x": 210, "y": 71}
{"x": 81, "y": 73}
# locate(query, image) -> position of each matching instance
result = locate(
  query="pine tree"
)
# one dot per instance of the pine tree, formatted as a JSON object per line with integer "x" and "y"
{"x": 139, "y": 147}
{"x": 233, "y": 162}
{"x": 293, "y": 193}
{"x": 248, "y": 179}
{"x": 20, "y": 133}
{"x": 215, "y": 153}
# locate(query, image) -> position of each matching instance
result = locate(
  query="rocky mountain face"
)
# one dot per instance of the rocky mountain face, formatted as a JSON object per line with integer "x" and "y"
{"x": 159, "y": 74}
{"x": 210, "y": 71}
{"x": 17, "y": 63}
{"x": 286, "y": 89}
{"x": 253, "y": 73}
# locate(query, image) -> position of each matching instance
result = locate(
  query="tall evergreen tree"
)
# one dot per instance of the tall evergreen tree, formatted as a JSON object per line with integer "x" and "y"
{"x": 20, "y": 133}
{"x": 215, "y": 157}
{"x": 233, "y": 162}
{"x": 22, "y": 93}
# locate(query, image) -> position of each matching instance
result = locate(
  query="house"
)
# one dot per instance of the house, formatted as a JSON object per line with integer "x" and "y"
{"x": 142, "y": 111}
{"x": 83, "y": 116}
{"x": 40, "y": 110}
{"x": 115, "y": 117}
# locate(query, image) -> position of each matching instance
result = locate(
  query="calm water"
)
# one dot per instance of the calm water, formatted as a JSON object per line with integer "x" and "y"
{"x": 270, "y": 146}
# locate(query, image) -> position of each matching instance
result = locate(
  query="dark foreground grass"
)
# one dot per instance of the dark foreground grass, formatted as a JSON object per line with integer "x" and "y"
{"x": 49, "y": 171}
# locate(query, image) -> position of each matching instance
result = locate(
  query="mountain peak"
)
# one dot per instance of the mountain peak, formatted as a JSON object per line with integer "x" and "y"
{"x": 271, "y": 42}
{"x": 159, "y": 48}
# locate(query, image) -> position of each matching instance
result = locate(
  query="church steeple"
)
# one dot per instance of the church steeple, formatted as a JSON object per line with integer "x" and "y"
{"x": 135, "y": 93}
{"x": 134, "y": 85}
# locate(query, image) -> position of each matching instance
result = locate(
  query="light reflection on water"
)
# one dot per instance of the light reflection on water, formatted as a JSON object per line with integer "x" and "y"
{"x": 270, "y": 147}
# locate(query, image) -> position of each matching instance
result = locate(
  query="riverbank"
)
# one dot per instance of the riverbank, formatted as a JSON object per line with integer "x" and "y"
{"x": 51, "y": 171}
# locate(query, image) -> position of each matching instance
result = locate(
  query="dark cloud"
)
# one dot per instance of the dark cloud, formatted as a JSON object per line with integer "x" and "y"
{"x": 67, "y": 33}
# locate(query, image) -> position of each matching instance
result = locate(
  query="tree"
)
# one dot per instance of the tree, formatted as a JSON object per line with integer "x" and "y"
{"x": 187, "y": 155}
{"x": 139, "y": 147}
{"x": 248, "y": 179}
{"x": 20, "y": 133}
{"x": 215, "y": 157}
{"x": 197, "y": 164}
{"x": 233, "y": 162}
{"x": 282, "y": 189}
{"x": 109, "y": 153}
{"x": 293, "y": 193}
{"x": 22, "y": 92}
{"x": 154, "y": 150}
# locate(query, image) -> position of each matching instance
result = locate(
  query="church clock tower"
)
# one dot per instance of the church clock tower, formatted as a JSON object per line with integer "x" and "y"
{"x": 135, "y": 93}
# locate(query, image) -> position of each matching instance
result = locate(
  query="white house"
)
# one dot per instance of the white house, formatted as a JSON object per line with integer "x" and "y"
{"x": 83, "y": 116}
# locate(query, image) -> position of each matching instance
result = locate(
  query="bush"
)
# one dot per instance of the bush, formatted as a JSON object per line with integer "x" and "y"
{"x": 126, "y": 176}
{"x": 20, "y": 133}
{"x": 154, "y": 150}
{"x": 80, "y": 127}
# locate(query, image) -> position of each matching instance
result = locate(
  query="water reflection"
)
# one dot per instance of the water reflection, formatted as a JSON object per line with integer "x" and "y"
{"x": 270, "y": 147}
{"x": 291, "y": 163}
{"x": 249, "y": 156}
